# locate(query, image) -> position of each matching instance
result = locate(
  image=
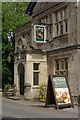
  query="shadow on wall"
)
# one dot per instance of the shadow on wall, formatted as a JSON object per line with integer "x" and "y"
{"x": 79, "y": 99}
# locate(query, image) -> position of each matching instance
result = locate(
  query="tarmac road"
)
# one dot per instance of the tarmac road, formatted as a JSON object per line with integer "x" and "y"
{"x": 33, "y": 109}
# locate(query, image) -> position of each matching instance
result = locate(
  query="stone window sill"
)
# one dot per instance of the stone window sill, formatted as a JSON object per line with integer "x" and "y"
{"x": 36, "y": 87}
{"x": 60, "y": 36}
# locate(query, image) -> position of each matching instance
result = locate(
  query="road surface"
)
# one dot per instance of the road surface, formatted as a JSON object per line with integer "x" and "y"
{"x": 28, "y": 109}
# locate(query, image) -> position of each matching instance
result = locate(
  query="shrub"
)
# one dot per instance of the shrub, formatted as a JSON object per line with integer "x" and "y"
{"x": 6, "y": 87}
{"x": 42, "y": 94}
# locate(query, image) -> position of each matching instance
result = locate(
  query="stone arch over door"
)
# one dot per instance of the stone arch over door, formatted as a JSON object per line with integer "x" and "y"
{"x": 21, "y": 74}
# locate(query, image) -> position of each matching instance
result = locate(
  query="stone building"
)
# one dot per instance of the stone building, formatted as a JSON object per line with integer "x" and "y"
{"x": 56, "y": 52}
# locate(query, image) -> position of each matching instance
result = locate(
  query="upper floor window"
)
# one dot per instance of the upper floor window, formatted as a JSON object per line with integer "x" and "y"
{"x": 61, "y": 66}
{"x": 61, "y": 24}
{"x": 47, "y": 29}
{"x": 50, "y": 21}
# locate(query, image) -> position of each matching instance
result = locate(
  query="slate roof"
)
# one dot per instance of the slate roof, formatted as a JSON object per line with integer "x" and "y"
{"x": 30, "y": 8}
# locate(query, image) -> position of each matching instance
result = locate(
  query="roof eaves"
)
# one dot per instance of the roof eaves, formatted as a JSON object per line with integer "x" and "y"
{"x": 21, "y": 26}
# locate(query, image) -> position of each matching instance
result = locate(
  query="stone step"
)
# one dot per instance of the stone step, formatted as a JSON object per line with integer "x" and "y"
{"x": 16, "y": 97}
{"x": 6, "y": 94}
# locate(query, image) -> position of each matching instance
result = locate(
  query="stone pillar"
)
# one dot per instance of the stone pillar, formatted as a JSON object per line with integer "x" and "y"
{"x": 15, "y": 73}
{"x": 73, "y": 74}
{"x": 27, "y": 89}
{"x": 16, "y": 78}
{"x": 25, "y": 76}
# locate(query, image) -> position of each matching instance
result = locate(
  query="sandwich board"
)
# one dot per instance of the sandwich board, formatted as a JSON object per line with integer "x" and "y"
{"x": 58, "y": 91}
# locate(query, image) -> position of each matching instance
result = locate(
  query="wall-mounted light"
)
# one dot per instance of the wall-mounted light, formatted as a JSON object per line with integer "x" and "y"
{"x": 9, "y": 59}
{"x": 19, "y": 56}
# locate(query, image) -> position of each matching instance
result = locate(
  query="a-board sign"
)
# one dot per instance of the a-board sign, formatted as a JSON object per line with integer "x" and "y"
{"x": 58, "y": 91}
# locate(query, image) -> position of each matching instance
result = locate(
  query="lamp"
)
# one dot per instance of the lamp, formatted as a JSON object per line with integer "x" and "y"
{"x": 9, "y": 58}
{"x": 19, "y": 56}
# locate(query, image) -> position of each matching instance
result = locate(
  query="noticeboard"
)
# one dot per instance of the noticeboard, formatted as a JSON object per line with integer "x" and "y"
{"x": 39, "y": 33}
{"x": 58, "y": 86}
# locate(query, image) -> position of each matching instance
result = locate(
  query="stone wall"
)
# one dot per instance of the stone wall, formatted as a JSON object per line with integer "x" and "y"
{"x": 73, "y": 68}
{"x": 72, "y": 24}
{"x": 36, "y": 58}
{"x": 56, "y": 47}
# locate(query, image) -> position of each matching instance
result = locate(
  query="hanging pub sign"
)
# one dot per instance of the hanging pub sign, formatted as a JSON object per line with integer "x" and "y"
{"x": 58, "y": 91}
{"x": 39, "y": 33}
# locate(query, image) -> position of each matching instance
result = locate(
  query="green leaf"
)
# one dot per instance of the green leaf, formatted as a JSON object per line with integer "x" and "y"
{"x": 13, "y": 15}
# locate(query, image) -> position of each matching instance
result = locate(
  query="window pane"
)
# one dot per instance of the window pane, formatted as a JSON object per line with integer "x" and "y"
{"x": 47, "y": 20}
{"x": 61, "y": 73}
{"x": 50, "y": 18}
{"x": 57, "y": 29}
{"x": 61, "y": 28}
{"x": 62, "y": 64}
{"x": 66, "y": 13}
{"x": 66, "y": 26}
{"x": 47, "y": 26}
{"x": 47, "y": 31}
{"x": 57, "y": 73}
{"x": 57, "y": 65}
{"x": 66, "y": 63}
{"x": 56, "y": 17}
{"x": 61, "y": 15}
{"x": 36, "y": 78}
{"x": 50, "y": 23}
{"x": 35, "y": 66}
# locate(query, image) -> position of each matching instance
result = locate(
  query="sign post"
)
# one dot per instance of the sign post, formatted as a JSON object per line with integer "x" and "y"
{"x": 58, "y": 86}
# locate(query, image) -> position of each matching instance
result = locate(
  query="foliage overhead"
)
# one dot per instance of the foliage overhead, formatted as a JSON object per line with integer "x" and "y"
{"x": 13, "y": 15}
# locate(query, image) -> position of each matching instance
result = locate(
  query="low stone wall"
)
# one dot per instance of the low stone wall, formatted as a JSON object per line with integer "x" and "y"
{"x": 76, "y": 99}
{"x": 8, "y": 93}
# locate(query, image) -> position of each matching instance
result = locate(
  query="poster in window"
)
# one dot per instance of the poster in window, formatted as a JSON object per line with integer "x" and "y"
{"x": 39, "y": 33}
{"x": 61, "y": 90}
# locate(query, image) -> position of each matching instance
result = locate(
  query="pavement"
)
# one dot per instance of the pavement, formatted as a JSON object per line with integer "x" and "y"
{"x": 37, "y": 103}
{"x": 18, "y": 107}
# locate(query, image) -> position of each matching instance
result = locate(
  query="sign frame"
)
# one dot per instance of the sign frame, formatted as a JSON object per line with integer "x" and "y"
{"x": 50, "y": 79}
{"x": 44, "y": 34}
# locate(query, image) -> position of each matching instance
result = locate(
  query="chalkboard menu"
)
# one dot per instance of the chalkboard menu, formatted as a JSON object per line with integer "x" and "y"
{"x": 58, "y": 91}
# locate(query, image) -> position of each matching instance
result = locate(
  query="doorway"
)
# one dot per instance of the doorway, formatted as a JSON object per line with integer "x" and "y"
{"x": 21, "y": 78}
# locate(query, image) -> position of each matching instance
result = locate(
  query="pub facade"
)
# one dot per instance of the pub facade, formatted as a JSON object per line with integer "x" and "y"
{"x": 48, "y": 44}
